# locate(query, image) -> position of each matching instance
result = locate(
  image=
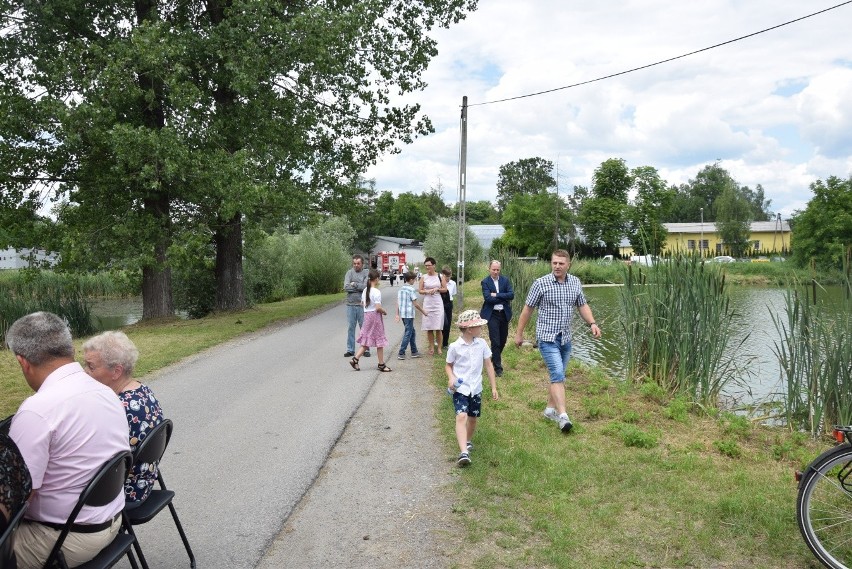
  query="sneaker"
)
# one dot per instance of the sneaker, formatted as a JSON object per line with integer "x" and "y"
{"x": 400, "y": 357}
{"x": 464, "y": 459}
{"x": 550, "y": 413}
{"x": 415, "y": 356}
{"x": 565, "y": 424}
{"x": 348, "y": 354}
{"x": 367, "y": 354}
{"x": 469, "y": 446}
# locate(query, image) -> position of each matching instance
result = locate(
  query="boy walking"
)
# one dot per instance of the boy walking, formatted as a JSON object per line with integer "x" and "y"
{"x": 465, "y": 359}
{"x": 406, "y": 302}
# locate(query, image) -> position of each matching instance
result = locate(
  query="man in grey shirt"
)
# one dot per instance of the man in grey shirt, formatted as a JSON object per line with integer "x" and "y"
{"x": 354, "y": 282}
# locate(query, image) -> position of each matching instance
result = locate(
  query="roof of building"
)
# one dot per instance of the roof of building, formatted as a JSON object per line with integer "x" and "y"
{"x": 399, "y": 240}
{"x": 709, "y": 226}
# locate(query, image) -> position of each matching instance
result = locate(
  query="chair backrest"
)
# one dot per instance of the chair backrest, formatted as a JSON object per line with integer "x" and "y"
{"x": 6, "y": 424}
{"x": 153, "y": 446}
{"x": 103, "y": 488}
{"x": 6, "y": 541}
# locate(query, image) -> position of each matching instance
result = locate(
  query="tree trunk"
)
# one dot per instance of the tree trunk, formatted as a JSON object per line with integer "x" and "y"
{"x": 230, "y": 292}
{"x": 157, "y": 301}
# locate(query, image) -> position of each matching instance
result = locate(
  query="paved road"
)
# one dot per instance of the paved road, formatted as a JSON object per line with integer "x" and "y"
{"x": 255, "y": 420}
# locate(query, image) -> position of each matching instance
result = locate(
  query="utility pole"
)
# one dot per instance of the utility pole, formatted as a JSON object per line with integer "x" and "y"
{"x": 462, "y": 200}
{"x": 701, "y": 240}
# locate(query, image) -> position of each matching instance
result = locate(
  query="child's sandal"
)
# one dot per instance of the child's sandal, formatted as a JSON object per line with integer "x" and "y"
{"x": 384, "y": 368}
{"x": 354, "y": 363}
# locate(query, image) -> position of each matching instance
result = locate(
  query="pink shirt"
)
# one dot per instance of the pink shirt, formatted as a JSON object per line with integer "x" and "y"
{"x": 66, "y": 431}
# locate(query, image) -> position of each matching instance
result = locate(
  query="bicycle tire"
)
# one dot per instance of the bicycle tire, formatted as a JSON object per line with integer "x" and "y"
{"x": 824, "y": 507}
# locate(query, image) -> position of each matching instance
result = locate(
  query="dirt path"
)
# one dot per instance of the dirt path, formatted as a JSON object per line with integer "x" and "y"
{"x": 384, "y": 497}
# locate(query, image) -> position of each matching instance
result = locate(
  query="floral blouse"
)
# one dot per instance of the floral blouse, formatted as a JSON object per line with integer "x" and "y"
{"x": 143, "y": 414}
{"x": 15, "y": 481}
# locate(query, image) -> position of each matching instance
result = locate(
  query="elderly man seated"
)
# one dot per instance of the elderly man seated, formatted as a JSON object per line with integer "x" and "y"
{"x": 65, "y": 431}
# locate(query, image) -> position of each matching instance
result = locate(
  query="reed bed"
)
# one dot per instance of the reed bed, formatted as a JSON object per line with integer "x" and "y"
{"x": 815, "y": 357}
{"x": 678, "y": 328}
{"x": 67, "y": 295}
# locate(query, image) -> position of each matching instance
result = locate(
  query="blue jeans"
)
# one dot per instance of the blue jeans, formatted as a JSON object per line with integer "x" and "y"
{"x": 354, "y": 315}
{"x": 408, "y": 336}
{"x": 555, "y": 356}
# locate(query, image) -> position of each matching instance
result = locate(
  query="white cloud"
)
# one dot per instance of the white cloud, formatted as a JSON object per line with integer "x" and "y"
{"x": 772, "y": 107}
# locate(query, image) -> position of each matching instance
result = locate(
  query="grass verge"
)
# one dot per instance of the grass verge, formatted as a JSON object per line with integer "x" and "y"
{"x": 643, "y": 480}
{"x": 164, "y": 342}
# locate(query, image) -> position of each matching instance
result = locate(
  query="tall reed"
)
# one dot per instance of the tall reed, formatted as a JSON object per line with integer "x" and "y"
{"x": 677, "y": 323}
{"x": 815, "y": 357}
{"x": 23, "y": 292}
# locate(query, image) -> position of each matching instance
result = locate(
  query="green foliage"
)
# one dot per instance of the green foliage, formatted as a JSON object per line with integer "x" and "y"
{"x": 733, "y": 222}
{"x": 650, "y": 206}
{"x": 482, "y": 212}
{"x": 442, "y": 243}
{"x": 66, "y": 295}
{"x": 152, "y": 120}
{"x": 728, "y": 447}
{"x": 677, "y": 409}
{"x": 736, "y": 426}
{"x": 525, "y": 177}
{"x": 633, "y": 436}
{"x": 815, "y": 356}
{"x": 823, "y": 232}
{"x": 704, "y": 191}
{"x": 678, "y": 330}
{"x": 534, "y": 224}
{"x": 603, "y": 216}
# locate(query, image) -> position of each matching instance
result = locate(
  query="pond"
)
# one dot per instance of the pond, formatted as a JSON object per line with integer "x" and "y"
{"x": 113, "y": 313}
{"x": 760, "y": 378}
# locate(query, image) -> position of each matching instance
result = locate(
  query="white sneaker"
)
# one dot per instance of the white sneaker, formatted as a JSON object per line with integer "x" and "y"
{"x": 551, "y": 414}
{"x": 565, "y": 423}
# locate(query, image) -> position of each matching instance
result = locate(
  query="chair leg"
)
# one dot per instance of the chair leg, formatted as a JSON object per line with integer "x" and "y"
{"x": 182, "y": 535}
{"x": 128, "y": 527}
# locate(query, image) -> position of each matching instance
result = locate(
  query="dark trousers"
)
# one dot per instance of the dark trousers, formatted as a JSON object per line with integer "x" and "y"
{"x": 498, "y": 333}
{"x": 448, "y": 319}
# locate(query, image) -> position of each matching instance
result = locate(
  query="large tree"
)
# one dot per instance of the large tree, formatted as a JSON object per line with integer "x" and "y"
{"x": 536, "y": 224}
{"x": 653, "y": 200}
{"x": 823, "y": 231}
{"x": 603, "y": 215}
{"x": 149, "y": 113}
{"x": 733, "y": 221}
{"x": 528, "y": 176}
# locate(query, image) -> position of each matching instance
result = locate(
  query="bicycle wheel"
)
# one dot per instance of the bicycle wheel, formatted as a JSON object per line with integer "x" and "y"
{"x": 824, "y": 507}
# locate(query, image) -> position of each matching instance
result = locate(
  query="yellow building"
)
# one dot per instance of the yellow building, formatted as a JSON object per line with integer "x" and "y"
{"x": 767, "y": 238}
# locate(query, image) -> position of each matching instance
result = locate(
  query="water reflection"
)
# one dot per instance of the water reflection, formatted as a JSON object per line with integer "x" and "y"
{"x": 752, "y": 344}
{"x": 113, "y": 313}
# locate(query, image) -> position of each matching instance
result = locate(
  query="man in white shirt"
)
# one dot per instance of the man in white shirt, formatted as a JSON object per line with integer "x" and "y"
{"x": 66, "y": 431}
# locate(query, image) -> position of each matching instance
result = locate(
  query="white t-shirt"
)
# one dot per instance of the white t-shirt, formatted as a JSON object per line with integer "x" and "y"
{"x": 375, "y": 298}
{"x": 467, "y": 360}
{"x": 452, "y": 289}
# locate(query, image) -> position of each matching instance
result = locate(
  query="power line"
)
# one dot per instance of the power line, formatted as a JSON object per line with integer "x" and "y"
{"x": 664, "y": 60}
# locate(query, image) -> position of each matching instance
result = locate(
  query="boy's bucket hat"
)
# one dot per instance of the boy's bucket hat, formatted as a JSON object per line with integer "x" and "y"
{"x": 470, "y": 318}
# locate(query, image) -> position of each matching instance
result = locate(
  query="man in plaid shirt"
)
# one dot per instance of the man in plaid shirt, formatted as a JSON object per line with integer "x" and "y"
{"x": 556, "y": 295}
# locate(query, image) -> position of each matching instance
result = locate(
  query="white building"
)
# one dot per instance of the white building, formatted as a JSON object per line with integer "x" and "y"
{"x": 24, "y": 258}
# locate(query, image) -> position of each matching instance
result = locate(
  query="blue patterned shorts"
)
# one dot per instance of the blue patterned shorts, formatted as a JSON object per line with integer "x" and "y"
{"x": 469, "y": 404}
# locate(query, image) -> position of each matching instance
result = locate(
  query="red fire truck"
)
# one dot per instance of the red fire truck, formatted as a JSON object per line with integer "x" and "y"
{"x": 388, "y": 263}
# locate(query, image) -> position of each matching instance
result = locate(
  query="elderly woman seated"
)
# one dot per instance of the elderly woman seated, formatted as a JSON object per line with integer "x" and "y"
{"x": 110, "y": 358}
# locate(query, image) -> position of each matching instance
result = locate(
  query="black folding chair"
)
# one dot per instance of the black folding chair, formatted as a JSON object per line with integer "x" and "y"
{"x": 7, "y": 540}
{"x": 6, "y": 424}
{"x": 103, "y": 488}
{"x": 149, "y": 451}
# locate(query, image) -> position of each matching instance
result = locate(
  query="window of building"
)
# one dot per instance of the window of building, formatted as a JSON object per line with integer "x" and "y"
{"x": 690, "y": 244}
{"x": 756, "y": 245}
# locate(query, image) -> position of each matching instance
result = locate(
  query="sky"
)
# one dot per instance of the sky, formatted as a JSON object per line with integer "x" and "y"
{"x": 774, "y": 109}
